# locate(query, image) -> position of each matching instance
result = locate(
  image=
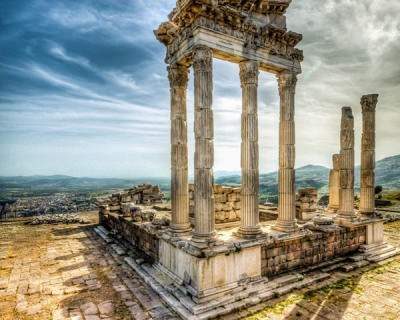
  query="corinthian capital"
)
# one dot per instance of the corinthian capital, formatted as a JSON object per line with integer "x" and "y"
{"x": 368, "y": 102}
{"x": 178, "y": 76}
{"x": 286, "y": 80}
{"x": 202, "y": 58}
{"x": 249, "y": 72}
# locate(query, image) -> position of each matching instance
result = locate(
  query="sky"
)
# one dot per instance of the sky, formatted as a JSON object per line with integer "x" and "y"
{"x": 84, "y": 88}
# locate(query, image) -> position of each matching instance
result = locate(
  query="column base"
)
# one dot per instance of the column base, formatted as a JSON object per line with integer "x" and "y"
{"x": 249, "y": 232}
{"x": 180, "y": 230}
{"x": 368, "y": 213}
{"x": 203, "y": 240}
{"x": 285, "y": 226}
{"x": 345, "y": 219}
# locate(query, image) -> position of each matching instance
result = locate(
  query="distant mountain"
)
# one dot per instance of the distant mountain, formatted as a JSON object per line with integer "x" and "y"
{"x": 387, "y": 174}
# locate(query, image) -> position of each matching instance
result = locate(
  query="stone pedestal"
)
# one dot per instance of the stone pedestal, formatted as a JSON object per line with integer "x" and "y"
{"x": 286, "y": 184}
{"x": 204, "y": 231}
{"x": 367, "y": 176}
{"x": 207, "y": 278}
{"x": 178, "y": 79}
{"x": 249, "y": 151}
{"x": 334, "y": 184}
{"x": 346, "y": 192}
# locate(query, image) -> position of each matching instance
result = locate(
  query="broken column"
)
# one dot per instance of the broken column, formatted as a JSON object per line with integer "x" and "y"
{"x": 346, "y": 192}
{"x": 249, "y": 150}
{"x": 286, "y": 184}
{"x": 367, "y": 176}
{"x": 178, "y": 79}
{"x": 334, "y": 184}
{"x": 204, "y": 147}
{"x": 306, "y": 203}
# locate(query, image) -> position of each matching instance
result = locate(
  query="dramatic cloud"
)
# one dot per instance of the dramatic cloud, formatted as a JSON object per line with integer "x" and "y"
{"x": 84, "y": 89}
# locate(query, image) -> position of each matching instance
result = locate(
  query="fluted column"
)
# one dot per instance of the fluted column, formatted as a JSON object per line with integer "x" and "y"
{"x": 249, "y": 151}
{"x": 286, "y": 183}
{"x": 346, "y": 193}
{"x": 367, "y": 176}
{"x": 178, "y": 79}
{"x": 334, "y": 184}
{"x": 204, "y": 148}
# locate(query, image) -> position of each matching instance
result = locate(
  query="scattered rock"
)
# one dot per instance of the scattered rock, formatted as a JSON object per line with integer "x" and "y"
{"x": 57, "y": 219}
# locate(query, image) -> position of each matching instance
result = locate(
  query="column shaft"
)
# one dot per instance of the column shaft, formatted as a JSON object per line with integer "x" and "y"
{"x": 346, "y": 193}
{"x": 204, "y": 147}
{"x": 286, "y": 183}
{"x": 249, "y": 150}
{"x": 334, "y": 184}
{"x": 178, "y": 78}
{"x": 367, "y": 176}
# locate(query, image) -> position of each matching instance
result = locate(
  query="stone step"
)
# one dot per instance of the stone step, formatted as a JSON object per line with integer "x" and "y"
{"x": 355, "y": 265}
{"x": 118, "y": 249}
{"x": 357, "y": 257}
{"x": 104, "y": 230}
{"x": 106, "y": 238}
{"x": 380, "y": 251}
{"x": 284, "y": 280}
{"x": 384, "y": 256}
{"x": 301, "y": 284}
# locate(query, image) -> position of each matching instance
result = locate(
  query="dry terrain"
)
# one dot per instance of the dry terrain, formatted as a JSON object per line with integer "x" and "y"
{"x": 67, "y": 272}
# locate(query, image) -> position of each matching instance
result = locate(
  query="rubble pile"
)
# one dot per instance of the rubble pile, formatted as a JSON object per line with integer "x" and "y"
{"x": 131, "y": 202}
{"x": 57, "y": 219}
{"x": 227, "y": 203}
{"x": 306, "y": 204}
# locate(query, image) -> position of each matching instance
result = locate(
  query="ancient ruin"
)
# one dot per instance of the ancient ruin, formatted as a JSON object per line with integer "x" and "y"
{"x": 201, "y": 272}
{"x": 334, "y": 184}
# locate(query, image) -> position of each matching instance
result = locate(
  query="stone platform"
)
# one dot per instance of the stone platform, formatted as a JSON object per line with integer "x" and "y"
{"x": 235, "y": 272}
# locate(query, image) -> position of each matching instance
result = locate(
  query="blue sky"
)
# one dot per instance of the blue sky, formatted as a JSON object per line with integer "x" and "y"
{"x": 84, "y": 89}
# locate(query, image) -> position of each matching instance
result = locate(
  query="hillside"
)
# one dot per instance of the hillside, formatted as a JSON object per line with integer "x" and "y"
{"x": 387, "y": 174}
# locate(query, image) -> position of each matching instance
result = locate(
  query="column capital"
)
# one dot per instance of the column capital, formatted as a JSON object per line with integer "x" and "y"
{"x": 368, "y": 102}
{"x": 202, "y": 58}
{"x": 249, "y": 72}
{"x": 178, "y": 76}
{"x": 287, "y": 79}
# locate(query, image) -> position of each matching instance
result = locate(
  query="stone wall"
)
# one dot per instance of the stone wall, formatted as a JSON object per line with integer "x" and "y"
{"x": 144, "y": 236}
{"x": 285, "y": 255}
{"x": 227, "y": 203}
{"x": 306, "y": 203}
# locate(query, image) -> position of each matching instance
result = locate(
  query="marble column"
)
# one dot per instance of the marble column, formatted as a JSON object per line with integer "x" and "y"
{"x": 178, "y": 79}
{"x": 334, "y": 184}
{"x": 204, "y": 147}
{"x": 286, "y": 181}
{"x": 367, "y": 176}
{"x": 249, "y": 151}
{"x": 346, "y": 192}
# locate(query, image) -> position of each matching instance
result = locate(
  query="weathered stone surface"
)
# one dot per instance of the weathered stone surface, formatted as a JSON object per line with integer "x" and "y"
{"x": 57, "y": 219}
{"x": 346, "y": 193}
{"x": 286, "y": 186}
{"x": 306, "y": 203}
{"x": 367, "y": 176}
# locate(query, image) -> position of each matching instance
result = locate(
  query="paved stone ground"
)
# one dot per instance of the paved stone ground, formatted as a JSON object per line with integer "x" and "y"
{"x": 67, "y": 272}
{"x": 372, "y": 292}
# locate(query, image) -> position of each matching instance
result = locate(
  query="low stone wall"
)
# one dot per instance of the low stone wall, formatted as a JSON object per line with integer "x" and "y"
{"x": 227, "y": 203}
{"x": 143, "y": 236}
{"x": 285, "y": 255}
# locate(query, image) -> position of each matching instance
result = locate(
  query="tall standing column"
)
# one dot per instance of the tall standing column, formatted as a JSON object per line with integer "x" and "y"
{"x": 346, "y": 193}
{"x": 249, "y": 151}
{"x": 204, "y": 148}
{"x": 367, "y": 177}
{"x": 178, "y": 79}
{"x": 286, "y": 183}
{"x": 334, "y": 184}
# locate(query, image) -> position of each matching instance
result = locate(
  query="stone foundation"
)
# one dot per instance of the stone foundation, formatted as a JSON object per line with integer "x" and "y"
{"x": 227, "y": 203}
{"x": 143, "y": 236}
{"x": 286, "y": 255}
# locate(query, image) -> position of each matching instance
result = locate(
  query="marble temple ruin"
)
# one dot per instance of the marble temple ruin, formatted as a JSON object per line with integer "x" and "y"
{"x": 200, "y": 272}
